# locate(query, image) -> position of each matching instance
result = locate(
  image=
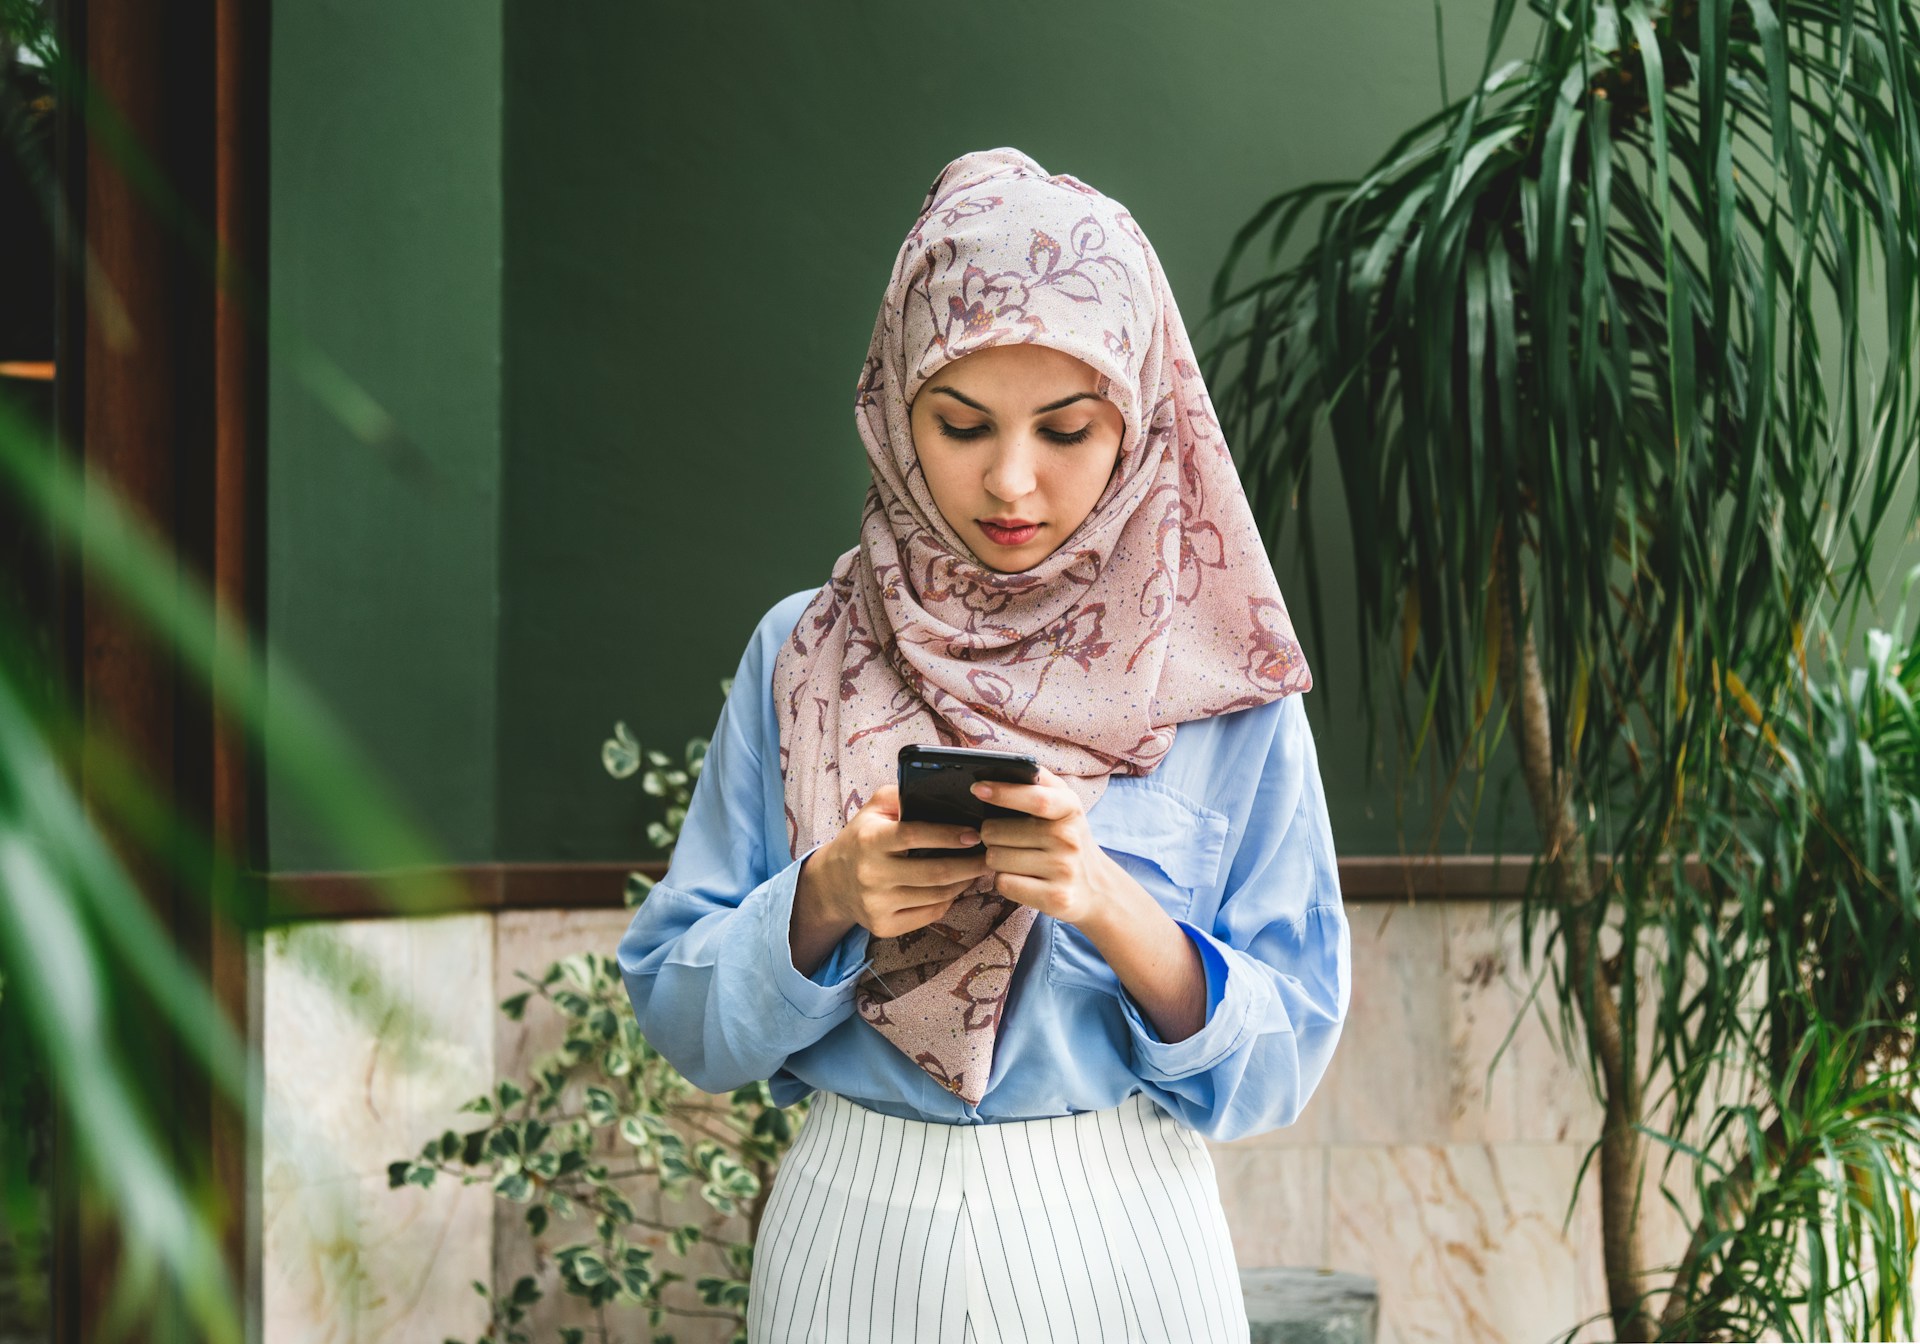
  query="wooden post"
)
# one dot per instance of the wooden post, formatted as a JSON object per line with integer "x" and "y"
{"x": 160, "y": 374}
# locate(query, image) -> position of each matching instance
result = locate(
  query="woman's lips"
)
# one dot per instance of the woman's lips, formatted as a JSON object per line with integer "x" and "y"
{"x": 1010, "y": 536}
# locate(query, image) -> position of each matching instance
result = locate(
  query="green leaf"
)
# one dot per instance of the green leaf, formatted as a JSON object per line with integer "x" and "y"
{"x": 516, "y": 1186}
{"x": 620, "y": 754}
{"x": 601, "y": 1108}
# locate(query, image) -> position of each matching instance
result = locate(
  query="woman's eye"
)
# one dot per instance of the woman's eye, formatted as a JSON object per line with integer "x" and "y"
{"x": 971, "y": 432}
{"x": 1078, "y": 435}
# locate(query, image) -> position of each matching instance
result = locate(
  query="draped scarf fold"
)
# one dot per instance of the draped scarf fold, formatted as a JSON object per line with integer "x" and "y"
{"x": 1160, "y": 608}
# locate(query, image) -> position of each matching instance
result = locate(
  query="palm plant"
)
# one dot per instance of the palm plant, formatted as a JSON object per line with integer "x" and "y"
{"x": 1811, "y": 907}
{"x": 94, "y": 985}
{"x": 1615, "y": 354}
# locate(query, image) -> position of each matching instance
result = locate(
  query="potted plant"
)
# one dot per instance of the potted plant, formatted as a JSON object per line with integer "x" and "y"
{"x": 1615, "y": 358}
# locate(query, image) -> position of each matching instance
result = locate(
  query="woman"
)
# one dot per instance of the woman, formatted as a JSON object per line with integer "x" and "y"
{"x": 1018, "y": 1052}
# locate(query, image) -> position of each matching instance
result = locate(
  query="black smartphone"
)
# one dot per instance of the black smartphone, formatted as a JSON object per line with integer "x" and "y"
{"x": 935, "y": 784}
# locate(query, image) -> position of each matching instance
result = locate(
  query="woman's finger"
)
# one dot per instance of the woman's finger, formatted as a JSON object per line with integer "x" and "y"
{"x": 916, "y": 874}
{"x": 931, "y": 835}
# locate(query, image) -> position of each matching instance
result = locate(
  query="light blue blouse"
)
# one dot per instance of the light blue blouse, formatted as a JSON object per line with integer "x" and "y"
{"x": 1229, "y": 833}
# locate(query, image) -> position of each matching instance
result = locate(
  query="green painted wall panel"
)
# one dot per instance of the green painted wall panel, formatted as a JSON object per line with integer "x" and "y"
{"x": 385, "y": 255}
{"x": 703, "y": 205}
{"x": 613, "y": 269}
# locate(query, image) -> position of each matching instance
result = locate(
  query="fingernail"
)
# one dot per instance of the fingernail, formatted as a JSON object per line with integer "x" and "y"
{"x": 969, "y": 837}
{"x": 982, "y": 790}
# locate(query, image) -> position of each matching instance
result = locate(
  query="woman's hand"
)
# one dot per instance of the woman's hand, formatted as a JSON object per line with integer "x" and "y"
{"x": 863, "y": 875}
{"x": 1047, "y": 859}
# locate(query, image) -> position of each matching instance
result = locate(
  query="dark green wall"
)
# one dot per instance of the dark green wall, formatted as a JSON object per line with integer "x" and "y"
{"x": 703, "y": 204}
{"x": 384, "y": 244}
{"x": 612, "y": 270}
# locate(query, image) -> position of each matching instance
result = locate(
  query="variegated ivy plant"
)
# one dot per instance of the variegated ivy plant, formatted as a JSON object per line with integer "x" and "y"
{"x": 604, "y": 1112}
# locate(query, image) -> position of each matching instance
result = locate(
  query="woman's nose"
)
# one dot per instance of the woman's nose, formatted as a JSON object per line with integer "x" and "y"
{"x": 1010, "y": 475}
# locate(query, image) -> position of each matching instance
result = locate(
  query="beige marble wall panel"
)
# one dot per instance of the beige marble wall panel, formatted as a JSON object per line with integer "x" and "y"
{"x": 1412, "y": 1162}
{"x": 530, "y": 941}
{"x": 352, "y": 1262}
{"x": 374, "y": 1033}
{"x": 1388, "y": 1082}
{"x": 1508, "y": 1079}
{"x": 1466, "y": 1240}
{"x": 1276, "y": 1202}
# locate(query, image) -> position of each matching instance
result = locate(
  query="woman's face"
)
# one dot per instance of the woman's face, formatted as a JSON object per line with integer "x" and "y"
{"x": 1015, "y": 433}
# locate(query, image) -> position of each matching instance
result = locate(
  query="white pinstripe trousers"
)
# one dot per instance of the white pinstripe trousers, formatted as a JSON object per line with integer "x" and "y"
{"x": 1101, "y": 1226}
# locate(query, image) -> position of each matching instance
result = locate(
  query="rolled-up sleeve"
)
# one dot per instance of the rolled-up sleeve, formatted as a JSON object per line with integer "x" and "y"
{"x": 1278, "y": 960}
{"x": 708, "y": 959}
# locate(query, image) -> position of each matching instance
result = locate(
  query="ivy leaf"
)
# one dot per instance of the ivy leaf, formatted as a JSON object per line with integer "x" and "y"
{"x": 618, "y": 1206}
{"x": 590, "y": 1269}
{"x": 620, "y": 754}
{"x": 601, "y": 1109}
{"x": 719, "y": 1292}
{"x": 515, "y": 1185}
{"x": 579, "y": 969}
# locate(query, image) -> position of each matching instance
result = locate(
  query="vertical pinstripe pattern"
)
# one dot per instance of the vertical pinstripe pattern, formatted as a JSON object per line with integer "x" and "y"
{"x": 1096, "y": 1227}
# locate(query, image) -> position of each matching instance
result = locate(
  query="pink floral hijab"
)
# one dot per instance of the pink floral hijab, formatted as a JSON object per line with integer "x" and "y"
{"x": 1160, "y": 608}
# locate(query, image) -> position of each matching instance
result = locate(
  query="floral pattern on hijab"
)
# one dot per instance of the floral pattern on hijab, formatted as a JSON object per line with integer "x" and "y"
{"x": 1160, "y": 608}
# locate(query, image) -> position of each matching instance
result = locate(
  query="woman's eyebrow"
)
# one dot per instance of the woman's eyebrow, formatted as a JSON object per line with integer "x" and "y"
{"x": 1065, "y": 401}
{"x": 1038, "y": 410}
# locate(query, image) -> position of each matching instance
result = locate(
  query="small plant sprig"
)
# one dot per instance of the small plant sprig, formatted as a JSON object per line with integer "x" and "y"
{"x": 623, "y": 757}
{"x": 604, "y": 1109}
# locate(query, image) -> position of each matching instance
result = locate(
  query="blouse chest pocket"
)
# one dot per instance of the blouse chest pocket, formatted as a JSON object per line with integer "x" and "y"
{"x": 1170, "y": 844}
